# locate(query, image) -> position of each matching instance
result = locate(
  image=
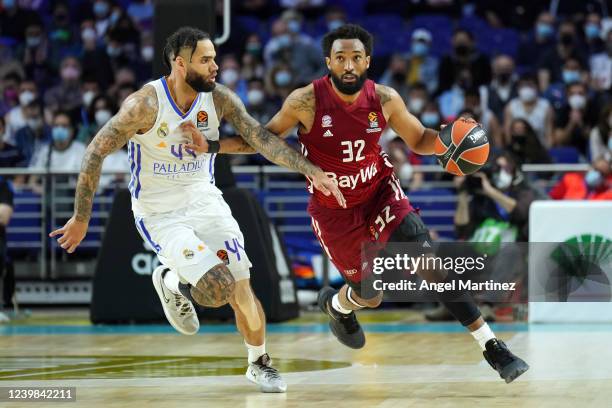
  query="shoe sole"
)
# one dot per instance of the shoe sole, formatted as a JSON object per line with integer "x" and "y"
{"x": 263, "y": 388}
{"x": 157, "y": 284}
{"x": 322, "y": 301}
{"x": 514, "y": 370}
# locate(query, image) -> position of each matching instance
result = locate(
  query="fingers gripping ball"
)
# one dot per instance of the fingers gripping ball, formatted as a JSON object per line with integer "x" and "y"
{"x": 462, "y": 147}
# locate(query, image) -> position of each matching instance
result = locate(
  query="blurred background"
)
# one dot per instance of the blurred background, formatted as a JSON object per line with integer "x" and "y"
{"x": 536, "y": 74}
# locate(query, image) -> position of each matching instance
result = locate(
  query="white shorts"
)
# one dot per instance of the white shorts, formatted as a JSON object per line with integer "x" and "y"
{"x": 194, "y": 239}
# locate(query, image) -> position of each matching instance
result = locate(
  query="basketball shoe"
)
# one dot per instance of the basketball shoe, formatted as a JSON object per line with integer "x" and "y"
{"x": 503, "y": 361}
{"x": 265, "y": 376}
{"x": 178, "y": 309}
{"x": 345, "y": 327}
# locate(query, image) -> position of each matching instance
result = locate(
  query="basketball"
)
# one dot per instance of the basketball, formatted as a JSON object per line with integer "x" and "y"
{"x": 462, "y": 147}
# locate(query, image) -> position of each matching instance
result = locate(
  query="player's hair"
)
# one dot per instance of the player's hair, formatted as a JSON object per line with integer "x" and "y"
{"x": 348, "y": 32}
{"x": 184, "y": 37}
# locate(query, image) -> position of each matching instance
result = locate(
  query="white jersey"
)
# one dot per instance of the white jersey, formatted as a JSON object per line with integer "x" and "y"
{"x": 165, "y": 176}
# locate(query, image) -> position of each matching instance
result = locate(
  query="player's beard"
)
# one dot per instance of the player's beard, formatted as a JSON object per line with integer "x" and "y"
{"x": 349, "y": 89}
{"x": 198, "y": 82}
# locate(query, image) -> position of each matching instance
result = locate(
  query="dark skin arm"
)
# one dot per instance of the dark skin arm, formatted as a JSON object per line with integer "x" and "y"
{"x": 137, "y": 114}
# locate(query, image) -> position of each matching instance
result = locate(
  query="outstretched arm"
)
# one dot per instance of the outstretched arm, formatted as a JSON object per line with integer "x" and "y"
{"x": 138, "y": 112}
{"x": 420, "y": 139}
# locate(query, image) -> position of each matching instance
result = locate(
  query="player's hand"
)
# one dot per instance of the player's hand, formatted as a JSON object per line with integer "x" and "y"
{"x": 198, "y": 141}
{"x": 71, "y": 234}
{"x": 327, "y": 186}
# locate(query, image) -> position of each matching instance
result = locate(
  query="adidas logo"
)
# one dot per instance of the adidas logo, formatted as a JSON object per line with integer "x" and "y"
{"x": 426, "y": 245}
{"x": 328, "y": 133}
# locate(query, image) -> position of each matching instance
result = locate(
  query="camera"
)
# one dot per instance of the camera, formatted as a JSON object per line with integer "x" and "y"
{"x": 473, "y": 184}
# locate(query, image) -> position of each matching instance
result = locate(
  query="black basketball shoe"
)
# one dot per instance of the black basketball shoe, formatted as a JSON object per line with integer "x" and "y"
{"x": 345, "y": 327}
{"x": 503, "y": 361}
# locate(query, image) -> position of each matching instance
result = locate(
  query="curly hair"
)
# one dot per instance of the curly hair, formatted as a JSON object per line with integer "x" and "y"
{"x": 348, "y": 32}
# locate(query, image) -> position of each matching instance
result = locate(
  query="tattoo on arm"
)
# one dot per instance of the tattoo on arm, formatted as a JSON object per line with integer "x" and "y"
{"x": 302, "y": 101}
{"x": 270, "y": 145}
{"x": 215, "y": 288}
{"x": 138, "y": 111}
{"x": 383, "y": 93}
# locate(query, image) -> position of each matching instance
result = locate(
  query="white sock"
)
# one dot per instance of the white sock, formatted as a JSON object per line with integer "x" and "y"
{"x": 171, "y": 280}
{"x": 483, "y": 335}
{"x": 336, "y": 305}
{"x": 255, "y": 351}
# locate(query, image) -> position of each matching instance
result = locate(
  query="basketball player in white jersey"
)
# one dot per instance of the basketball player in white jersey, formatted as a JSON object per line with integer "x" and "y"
{"x": 177, "y": 207}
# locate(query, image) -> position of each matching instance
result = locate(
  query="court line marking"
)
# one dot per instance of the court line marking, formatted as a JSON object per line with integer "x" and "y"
{"x": 93, "y": 368}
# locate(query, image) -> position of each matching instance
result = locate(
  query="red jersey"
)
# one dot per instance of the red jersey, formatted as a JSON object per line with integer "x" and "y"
{"x": 343, "y": 142}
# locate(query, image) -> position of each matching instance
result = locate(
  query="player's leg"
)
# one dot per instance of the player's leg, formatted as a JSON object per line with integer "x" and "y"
{"x": 462, "y": 306}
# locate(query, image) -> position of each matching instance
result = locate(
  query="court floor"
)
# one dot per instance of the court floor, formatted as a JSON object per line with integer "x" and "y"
{"x": 406, "y": 363}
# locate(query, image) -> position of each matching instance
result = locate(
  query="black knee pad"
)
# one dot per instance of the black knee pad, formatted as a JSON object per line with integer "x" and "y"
{"x": 411, "y": 229}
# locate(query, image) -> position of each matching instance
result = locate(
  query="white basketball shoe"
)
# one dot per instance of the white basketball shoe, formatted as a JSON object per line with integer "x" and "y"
{"x": 178, "y": 309}
{"x": 265, "y": 376}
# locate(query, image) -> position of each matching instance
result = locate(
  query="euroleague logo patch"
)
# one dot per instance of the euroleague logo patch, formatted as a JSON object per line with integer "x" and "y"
{"x": 373, "y": 119}
{"x": 202, "y": 118}
{"x": 222, "y": 255}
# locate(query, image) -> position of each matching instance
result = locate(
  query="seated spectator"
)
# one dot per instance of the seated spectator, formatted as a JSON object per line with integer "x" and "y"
{"x": 431, "y": 117}
{"x": 35, "y": 134}
{"x": 596, "y": 184}
{"x": 13, "y": 18}
{"x": 101, "y": 109}
{"x": 252, "y": 64}
{"x": 534, "y": 109}
{"x": 15, "y": 119}
{"x": 575, "y": 120}
{"x": 600, "y": 139}
{"x": 280, "y": 81}
{"x": 502, "y": 88}
{"x": 10, "y": 92}
{"x": 39, "y": 62}
{"x": 229, "y": 70}
{"x": 403, "y": 161}
{"x": 533, "y": 46}
{"x": 395, "y": 76}
{"x": 62, "y": 33}
{"x": 67, "y": 95}
{"x": 417, "y": 99}
{"x": 464, "y": 57}
{"x": 484, "y": 116}
{"x": 422, "y": 67}
{"x": 601, "y": 66}
{"x": 452, "y": 100}
{"x": 524, "y": 144}
{"x": 551, "y": 62}
{"x": 593, "y": 34}
{"x": 9, "y": 154}
{"x": 96, "y": 62}
{"x": 572, "y": 72}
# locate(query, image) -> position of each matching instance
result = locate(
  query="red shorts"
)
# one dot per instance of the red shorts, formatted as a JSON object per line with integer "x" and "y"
{"x": 343, "y": 232}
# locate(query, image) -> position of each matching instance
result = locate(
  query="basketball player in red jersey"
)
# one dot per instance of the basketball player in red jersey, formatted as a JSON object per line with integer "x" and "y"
{"x": 341, "y": 117}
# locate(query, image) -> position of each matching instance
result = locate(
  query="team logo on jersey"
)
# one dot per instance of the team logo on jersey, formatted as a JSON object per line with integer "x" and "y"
{"x": 326, "y": 121}
{"x": 373, "y": 119}
{"x": 188, "y": 253}
{"x": 222, "y": 255}
{"x": 202, "y": 119}
{"x": 163, "y": 130}
{"x": 328, "y": 133}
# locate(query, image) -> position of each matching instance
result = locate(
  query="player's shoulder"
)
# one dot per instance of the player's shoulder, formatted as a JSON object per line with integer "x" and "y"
{"x": 142, "y": 101}
{"x": 385, "y": 93}
{"x": 302, "y": 99}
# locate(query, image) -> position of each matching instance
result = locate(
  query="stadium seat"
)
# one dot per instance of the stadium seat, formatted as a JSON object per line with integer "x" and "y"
{"x": 564, "y": 154}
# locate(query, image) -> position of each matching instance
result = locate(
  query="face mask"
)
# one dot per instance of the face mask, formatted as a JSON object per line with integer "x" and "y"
{"x": 253, "y": 48}
{"x": 527, "y": 94}
{"x": 113, "y": 51}
{"x": 102, "y": 116}
{"x": 398, "y": 77}
{"x": 419, "y": 48}
{"x": 570, "y": 77}
{"x": 593, "y": 178}
{"x": 88, "y": 97}
{"x": 26, "y": 97}
{"x": 504, "y": 77}
{"x": 114, "y": 18}
{"x": 334, "y": 25}
{"x": 502, "y": 180}
{"x": 147, "y": 53}
{"x": 462, "y": 50}
{"x": 255, "y": 96}
{"x": 430, "y": 119}
{"x": 576, "y": 101}
{"x": 284, "y": 40}
{"x": 294, "y": 26}
{"x": 34, "y": 124}
{"x": 100, "y": 8}
{"x": 33, "y": 42}
{"x": 566, "y": 39}
{"x": 282, "y": 78}
{"x": 70, "y": 73}
{"x": 60, "y": 133}
{"x": 519, "y": 138}
{"x": 416, "y": 105}
{"x": 229, "y": 76}
{"x": 544, "y": 30}
{"x": 88, "y": 34}
{"x": 592, "y": 31}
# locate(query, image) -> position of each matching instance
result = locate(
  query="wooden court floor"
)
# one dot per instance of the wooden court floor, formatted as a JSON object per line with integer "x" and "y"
{"x": 406, "y": 363}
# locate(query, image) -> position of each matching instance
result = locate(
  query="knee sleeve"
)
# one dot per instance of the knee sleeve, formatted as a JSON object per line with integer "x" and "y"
{"x": 411, "y": 229}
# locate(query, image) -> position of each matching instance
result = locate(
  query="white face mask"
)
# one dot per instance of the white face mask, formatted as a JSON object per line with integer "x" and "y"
{"x": 88, "y": 97}
{"x": 416, "y": 105}
{"x": 88, "y": 34}
{"x": 26, "y": 97}
{"x": 147, "y": 53}
{"x": 255, "y": 96}
{"x": 576, "y": 101}
{"x": 527, "y": 94}
{"x": 229, "y": 76}
{"x": 102, "y": 116}
{"x": 503, "y": 180}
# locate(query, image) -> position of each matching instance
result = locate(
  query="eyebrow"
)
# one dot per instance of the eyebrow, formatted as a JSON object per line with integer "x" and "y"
{"x": 354, "y": 52}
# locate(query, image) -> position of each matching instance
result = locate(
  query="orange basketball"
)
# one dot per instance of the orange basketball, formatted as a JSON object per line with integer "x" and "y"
{"x": 462, "y": 147}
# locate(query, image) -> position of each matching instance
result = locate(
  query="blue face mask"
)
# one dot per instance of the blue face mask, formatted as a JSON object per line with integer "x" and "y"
{"x": 430, "y": 119}
{"x": 8, "y": 3}
{"x": 284, "y": 40}
{"x": 294, "y": 26}
{"x": 592, "y": 31}
{"x": 593, "y": 178}
{"x": 60, "y": 133}
{"x": 282, "y": 78}
{"x": 33, "y": 42}
{"x": 419, "y": 48}
{"x": 569, "y": 77}
{"x": 100, "y": 8}
{"x": 113, "y": 51}
{"x": 544, "y": 30}
{"x": 334, "y": 25}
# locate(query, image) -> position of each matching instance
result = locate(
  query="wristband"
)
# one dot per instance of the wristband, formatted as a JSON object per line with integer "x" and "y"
{"x": 213, "y": 146}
